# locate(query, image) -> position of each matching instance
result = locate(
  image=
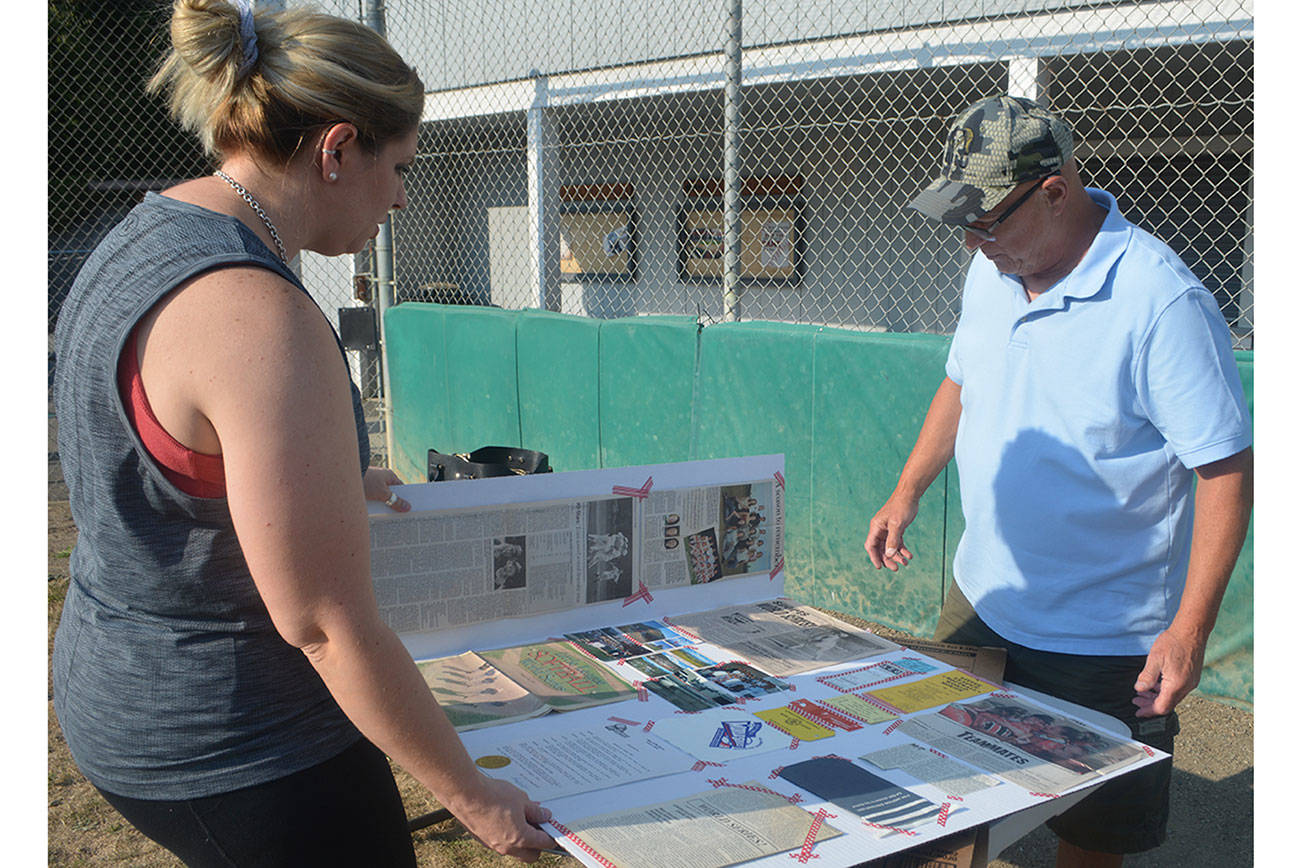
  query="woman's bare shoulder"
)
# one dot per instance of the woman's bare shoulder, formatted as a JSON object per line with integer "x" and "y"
{"x": 239, "y": 304}
{"x": 226, "y": 338}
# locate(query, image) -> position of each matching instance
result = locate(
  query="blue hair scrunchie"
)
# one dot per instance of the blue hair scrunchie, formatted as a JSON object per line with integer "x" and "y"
{"x": 248, "y": 37}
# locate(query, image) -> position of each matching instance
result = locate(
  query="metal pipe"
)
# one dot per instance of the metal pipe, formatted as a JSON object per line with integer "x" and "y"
{"x": 731, "y": 163}
{"x": 539, "y": 135}
{"x": 373, "y": 17}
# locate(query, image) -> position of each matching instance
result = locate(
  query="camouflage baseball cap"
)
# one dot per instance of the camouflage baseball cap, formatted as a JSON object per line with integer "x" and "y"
{"x": 992, "y": 146}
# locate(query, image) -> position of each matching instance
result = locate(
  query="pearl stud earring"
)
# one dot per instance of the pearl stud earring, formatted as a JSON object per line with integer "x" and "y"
{"x": 334, "y": 177}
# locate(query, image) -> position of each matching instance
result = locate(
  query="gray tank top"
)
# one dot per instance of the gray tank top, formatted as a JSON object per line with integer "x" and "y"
{"x": 170, "y": 681}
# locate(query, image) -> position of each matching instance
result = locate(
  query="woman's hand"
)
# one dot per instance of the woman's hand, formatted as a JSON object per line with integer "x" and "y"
{"x": 503, "y": 818}
{"x": 376, "y": 483}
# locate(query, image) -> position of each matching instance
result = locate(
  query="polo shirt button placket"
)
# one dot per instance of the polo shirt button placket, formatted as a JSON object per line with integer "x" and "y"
{"x": 1016, "y": 341}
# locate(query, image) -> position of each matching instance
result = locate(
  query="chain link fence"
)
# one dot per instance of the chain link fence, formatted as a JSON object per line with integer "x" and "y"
{"x": 707, "y": 157}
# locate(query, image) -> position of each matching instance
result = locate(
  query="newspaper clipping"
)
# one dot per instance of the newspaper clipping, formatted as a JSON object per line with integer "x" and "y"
{"x": 708, "y": 830}
{"x": 783, "y": 638}
{"x": 1023, "y": 743}
{"x": 449, "y": 568}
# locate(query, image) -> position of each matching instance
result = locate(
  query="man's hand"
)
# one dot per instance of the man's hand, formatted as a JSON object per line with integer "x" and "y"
{"x": 1222, "y": 507}
{"x": 1174, "y": 667}
{"x": 885, "y": 542}
{"x": 932, "y": 451}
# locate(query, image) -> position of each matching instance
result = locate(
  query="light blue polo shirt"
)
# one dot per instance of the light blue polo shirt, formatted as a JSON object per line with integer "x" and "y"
{"x": 1084, "y": 413}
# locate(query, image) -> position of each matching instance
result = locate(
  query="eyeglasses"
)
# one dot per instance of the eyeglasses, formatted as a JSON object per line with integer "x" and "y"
{"x": 986, "y": 233}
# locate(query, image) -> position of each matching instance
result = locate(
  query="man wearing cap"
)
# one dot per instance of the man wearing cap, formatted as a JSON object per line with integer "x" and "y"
{"x": 1089, "y": 381}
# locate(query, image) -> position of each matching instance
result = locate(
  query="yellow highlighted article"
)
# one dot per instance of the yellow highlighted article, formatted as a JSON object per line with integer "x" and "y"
{"x": 930, "y": 692}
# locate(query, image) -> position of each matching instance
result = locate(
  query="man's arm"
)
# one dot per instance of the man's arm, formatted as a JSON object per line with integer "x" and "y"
{"x": 1222, "y": 506}
{"x": 932, "y": 451}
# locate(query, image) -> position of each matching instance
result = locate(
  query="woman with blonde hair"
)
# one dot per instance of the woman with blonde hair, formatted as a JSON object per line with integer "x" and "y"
{"x": 221, "y": 671}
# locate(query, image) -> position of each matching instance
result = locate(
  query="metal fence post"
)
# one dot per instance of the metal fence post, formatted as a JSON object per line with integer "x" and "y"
{"x": 384, "y": 288}
{"x": 541, "y": 174}
{"x": 731, "y": 159}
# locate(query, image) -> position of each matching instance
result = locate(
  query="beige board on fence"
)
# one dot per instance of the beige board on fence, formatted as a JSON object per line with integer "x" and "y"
{"x": 597, "y": 243}
{"x": 768, "y": 243}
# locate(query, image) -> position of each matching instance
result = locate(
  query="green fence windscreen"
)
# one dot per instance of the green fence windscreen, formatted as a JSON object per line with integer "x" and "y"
{"x": 421, "y": 415}
{"x": 754, "y": 397}
{"x": 871, "y": 393}
{"x": 647, "y": 374}
{"x": 557, "y": 359}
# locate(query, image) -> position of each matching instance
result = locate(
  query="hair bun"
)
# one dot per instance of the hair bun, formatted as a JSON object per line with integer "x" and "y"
{"x": 207, "y": 37}
{"x": 310, "y": 69}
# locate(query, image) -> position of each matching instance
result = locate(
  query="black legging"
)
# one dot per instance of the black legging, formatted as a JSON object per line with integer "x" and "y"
{"x": 345, "y": 811}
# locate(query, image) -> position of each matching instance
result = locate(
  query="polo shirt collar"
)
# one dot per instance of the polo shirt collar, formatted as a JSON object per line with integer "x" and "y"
{"x": 1090, "y": 275}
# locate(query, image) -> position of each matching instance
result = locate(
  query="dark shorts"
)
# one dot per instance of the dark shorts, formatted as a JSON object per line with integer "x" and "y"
{"x": 1125, "y": 815}
{"x": 345, "y": 811}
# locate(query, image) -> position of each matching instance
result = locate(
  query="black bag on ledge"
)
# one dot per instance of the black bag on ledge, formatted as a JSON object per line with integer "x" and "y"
{"x": 486, "y": 461}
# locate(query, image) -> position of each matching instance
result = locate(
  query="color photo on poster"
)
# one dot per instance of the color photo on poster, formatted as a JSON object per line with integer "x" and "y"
{"x": 629, "y": 640}
{"x": 703, "y": 561}
{"x": 714, "y": 686}
{"x": 744, "y": 525}
{"x": 607, "y": 643}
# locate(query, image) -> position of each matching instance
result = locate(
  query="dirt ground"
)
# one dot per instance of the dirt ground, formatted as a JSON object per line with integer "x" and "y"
{"x": 1212, "y": 787}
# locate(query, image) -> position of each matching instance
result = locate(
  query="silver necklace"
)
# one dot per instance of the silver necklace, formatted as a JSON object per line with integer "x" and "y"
{"x": 257, "y": 209}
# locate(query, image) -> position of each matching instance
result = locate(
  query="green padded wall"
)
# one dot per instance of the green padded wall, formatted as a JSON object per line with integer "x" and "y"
{"x": 1228, "y": 663}
{"x": 646, "y": 375}
{"x": 755, "y": 397}
{"x": 483, "y": 386}
{"x": 452, "y": 381}
{"x": 418, "y": 395}
{"x": 559, "y": 396}
{"x": 871, "y": 392}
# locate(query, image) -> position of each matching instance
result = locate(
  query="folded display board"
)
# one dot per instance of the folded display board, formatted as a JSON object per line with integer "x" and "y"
{"x": 478, "y": 563}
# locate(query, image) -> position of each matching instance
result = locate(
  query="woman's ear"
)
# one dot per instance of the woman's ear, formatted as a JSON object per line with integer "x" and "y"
{"x": 334, "y": 144}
